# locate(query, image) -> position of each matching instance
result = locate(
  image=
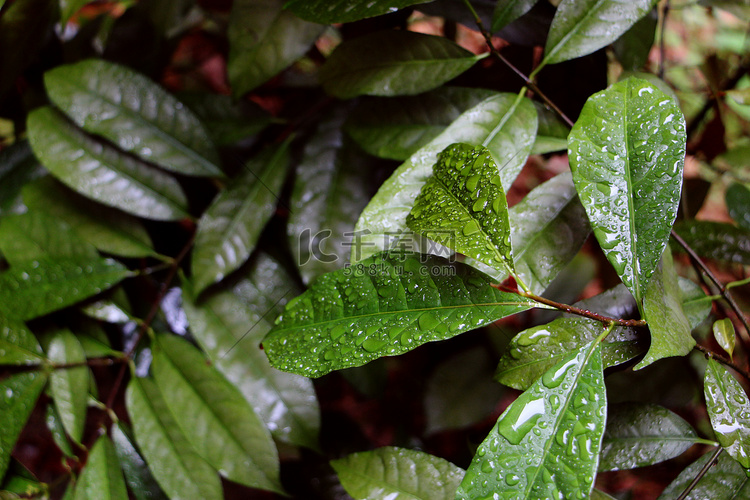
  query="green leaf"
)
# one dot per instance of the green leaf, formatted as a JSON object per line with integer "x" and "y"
{"x": 507, "y": 11}
{"x": 546, "y": 443}
{"x": 729, "y": 410}
{"x": 134, "y": 113}
{"x": 627, "y": 152}
{"x": 504, "y": 124}
{"x": 18, "y": 395}
{"x": 20, "y": 481}
{"x": 463, "y": 206}
{"x": 738, "y": 204}
{"x": 18, "y": 166}
{"x": 109, "y": 230}
{"x": 137, "y": 475}
{"x": 101, "y": 478}
{"x": 461, "y": 392}
{"x": 229, "y": 229}
{"x": 345, "y": 11}
{"x": 633, "y": 47}
{"x": 640, "y": 434}
{"x": 740, "y": 96}
{"x": 68, "y": 8}
{"x": 384, "y": 306}
{"x": 552, "y": 132}
{"x": 70, "y": 386}
{"x": 726, "y": 480}
{"x": 44, "y": 285}
{"x": 724, "y": 334}
{"x": 214, "y": 417}
{"x": 226, "y": 119}
{"x": 716, "y": 240}
{"x": 396, "y": 127}
{"x": 263, "y": 41}
{"x": 695, "y": 303}
{"x": 389, "y": 63}
{"x": 581, "y": 27}
{"x": 662, "y": 309}
{"x": 54, "y": 423}
{"x": 175, "y": 465}
{"x": 18, "y": 346}
{"x": 101, "y": 172}
{"x": 535, "y": 350}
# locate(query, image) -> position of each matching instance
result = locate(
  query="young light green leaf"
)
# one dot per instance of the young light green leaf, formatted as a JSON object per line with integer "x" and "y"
{"x": 18, "y": 395}
{"x": 18, "y": 346}
{"x": 397, "y": 473}
{"x": 463, "y": 206}
{"x": 345, "y": 11}
{"x": 100, "y": 171}
{"x": 504, "y": 124}
{"x": 214, "y": 417}
{"x": 507, "y": 11}
{"x": 627, "y": 152}
{"x": 662, "y": 309}
{"x": 397, "y": 127}
{"x": 230, "y": 227}
{"x": 134, "y": 113}
{"x": 716, "y": 240}
{"x": 533, "y": 351}
{"x": 70, "y": 386}
{"x": 724, "y": 334}
{"x": 552, "y": 132}
{"x": 546, "y": 443}
{"x": 134, "y": 467}
{"x": 44, "y": 285}
{"x": 738, "y": 204}
{"x": 729, "y": 410}
{"x": 101, "y": 477}
{"x": 264, "y": 39}
{"x": 175, "y": 465}
{"x": 726, "y": 480}
{"x": 640, "y": 434}
{"x": 581, "y": 27}
{"x": 389, "y": 63}
{"x": 383, "y": 306}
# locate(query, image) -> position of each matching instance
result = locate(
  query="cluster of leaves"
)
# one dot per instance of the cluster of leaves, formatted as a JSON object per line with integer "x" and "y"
{"x": 150, "y": 238}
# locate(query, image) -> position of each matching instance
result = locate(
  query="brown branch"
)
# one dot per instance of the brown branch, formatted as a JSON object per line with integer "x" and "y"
{"x": 724, "y": 361}
{"x": 700, "y": 474}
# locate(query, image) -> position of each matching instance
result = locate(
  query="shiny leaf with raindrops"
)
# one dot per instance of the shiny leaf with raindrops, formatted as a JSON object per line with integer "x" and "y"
{"x": 729, "y": 410}
{"x": 726, "y": 480}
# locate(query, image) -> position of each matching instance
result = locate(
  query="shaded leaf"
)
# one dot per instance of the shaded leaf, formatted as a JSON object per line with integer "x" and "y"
{"x": 214, "y": 417}
{"x": 581, "y": 27}
{"x": 552, "y": 132}
{"x": 134, "y": 113}
{"x": 633, "y": 47}
{"x": 227, "y": 120}
{"x": 729, "y": 410}
{"x": 384, "y": 306}
{"x": 55, "y": 426}
{"x": 507, "y": 11}
{"x": 397, "y": 473}
{"x": 18, "y": 166}
{"x": 641, "y": 434}
{"x": 21, "y": 482}
{"x": 101, "y": 172}
{"x": 724, "y": 334}
{"x": 70, "y": 386}
{"x": 345, "y": 11}
{"x": 263, "y": 41}
{"x": 726, "y": 480}
{"x": 389, "y": 63}
{"x": 627, "y": 152}
{"x": 738, "y": 204}
{"x": 716, "y": 240}
{"x": 101, "y": 478}
{"x": 695, "y": 303}
{"x": 136, "y": 472}
{"x": 546, "y": 443}
{"x": 230, "y": 227}
{"x": 175, "y": 465}
{"x": 18, "y": 346}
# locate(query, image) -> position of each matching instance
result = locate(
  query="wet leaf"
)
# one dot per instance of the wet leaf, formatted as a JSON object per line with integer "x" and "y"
{"x": 729, "y": 410}
{"x": 507, "y": 11}
{"x": 345, "y": 11}
{"x": 229, "y": 229}
{"x": 18, "y": 395}
{"x": 398, "y": 473}
{"x": 101, "y": 172}
{"x": 101, "y": 477}
{"x": 724, "y": 334}
{"x": 463, "y": 206}
{"x": 504, "y": 124}
{"x": 546, "y": 443}
{"x": 662, "y": 309}
{"x": 264, "y": 39}
{"x": 581, "y": 27}
{"x": 175, "y": 465}
{"x": 134, "y": 113}
{"x": 389, "y": 63}
{"x": 69, "y": 386}
{"x": 627, "y": 152}
{"x": 137, "y": 475}
{"x": 641, "y": 434}
{"x": 726, "y": 480}
{"x": 738, "y": 204}
{"x": 397, "y": 127}
{"x": 214, "y": 416}
{"x": 716, "y": 240}
{"x": 18, "y": 346}
{"x": 384, "y": 306}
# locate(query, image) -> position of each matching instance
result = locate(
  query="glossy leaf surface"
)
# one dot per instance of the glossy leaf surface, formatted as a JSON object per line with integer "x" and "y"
{"x": 18, "y": 346}
{"x": 633, "y": 47}
{"x": 463, "y": 206}
{"x": 344, "y": 11}
{"x": 383, "y": 306}
{"x": 134, "y": 113}
{"x": 70, "y": 387}
{"x": 507, "y": 11}
{"x": 716, "y": 240}
{"x": 726, "y": 480}
{"x": 504, "y": 124}
{"x": 214, "y": 416}
{"x": 627, "y": 152}
{"x": 640, "y": 434}
{"x": 230, "y": 227}
{"x": 695, "y": 303}
{"x": 101, "y": 172}
{"x": 175, "y": 465}
{"x": 137, "y": 474}
{"x": 546, "y": 443}
{"x": 725, "y": 335}
{"x": 398, "y": 474}
{"x": 582, "y": 26}
{"x": 101, "y": 477}
{"x": 227, "y": 120}
{"x": 18, "y": 395}
{"x": 388, "y": 63}
{"x": 729, "y": 410}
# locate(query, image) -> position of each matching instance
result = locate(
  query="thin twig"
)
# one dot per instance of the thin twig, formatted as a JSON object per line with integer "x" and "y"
{"x": 700, "y": 474}
{"x": 662, "y": 45}
{"x": 721, "y": 359}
